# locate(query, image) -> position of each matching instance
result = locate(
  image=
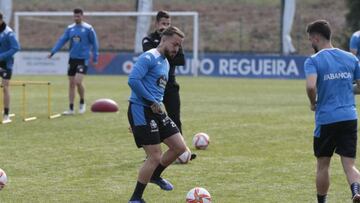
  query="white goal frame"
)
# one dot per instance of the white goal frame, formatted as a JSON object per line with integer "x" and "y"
{"x": 195, "y": 16}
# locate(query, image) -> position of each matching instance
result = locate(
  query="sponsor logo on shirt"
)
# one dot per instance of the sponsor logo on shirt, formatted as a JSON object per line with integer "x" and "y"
{"x": 337, "y": 76}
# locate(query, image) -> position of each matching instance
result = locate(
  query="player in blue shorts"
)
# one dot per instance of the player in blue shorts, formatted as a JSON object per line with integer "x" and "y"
{"x": 330, "y": 73}
{"x": 149, "y": 123}
{"x": 82, "y": 37}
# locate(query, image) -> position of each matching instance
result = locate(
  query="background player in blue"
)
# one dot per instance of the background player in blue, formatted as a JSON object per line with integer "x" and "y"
{"x": 8, "y": 47}
{"x": 149, "y": 123}
{"x": 83, "y": 39}
{"x": 330, "y": 73}
{"x": 355, "y": 44}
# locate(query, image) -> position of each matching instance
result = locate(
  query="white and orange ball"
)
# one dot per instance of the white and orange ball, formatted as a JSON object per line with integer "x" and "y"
{"x": 184, "y": 158}
{"x": 201, "y": 140}
{"x": 3, "y": 179}
{"x": 198, "y": 195}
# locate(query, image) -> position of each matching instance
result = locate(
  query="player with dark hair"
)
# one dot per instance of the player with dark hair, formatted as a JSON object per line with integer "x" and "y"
{"x": 330, "y": 73}
{"x": 149, "y": 123}
{"x": 82, "y": 37}
{"x": 171, "y": 95}
{"x": 8, "y": 47}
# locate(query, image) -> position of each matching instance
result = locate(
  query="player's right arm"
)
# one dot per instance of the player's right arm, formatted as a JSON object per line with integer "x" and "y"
{"x": 138, "y": 72}
{"x": 14, "y": 47}
{"x": 311, "y": 78}
{"x": 147, "y": 44}
{"x": 60, "y": 43}
{"x": 354, "y": 43}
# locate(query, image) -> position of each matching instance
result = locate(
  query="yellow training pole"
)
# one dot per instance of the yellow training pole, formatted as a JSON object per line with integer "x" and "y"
{"x": 25, "y": 106}
{"x": 49, "y": 104}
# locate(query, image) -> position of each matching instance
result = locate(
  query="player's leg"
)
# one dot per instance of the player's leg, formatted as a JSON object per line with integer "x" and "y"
{"x": 71, "y": 76}
{"x": 146, "y": 135}
{"x": 352, "y": 175}
{"x": 81, "y": 91}
{"x": 71, "y": 96}
{"x": 322, "y": 178}
{"x": 81, "y": 71}
{"x": 172, "y": 105}
{"x": 346, "y": 148}
{"x": 176, "y": 146}
{"x": 6, "y": 99}
{"x": 153, "y": 153}
{"x": 324, "y": 146}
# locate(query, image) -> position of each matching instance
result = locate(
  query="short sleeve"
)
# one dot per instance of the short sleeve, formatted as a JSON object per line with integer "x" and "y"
{"x": 141, "y": 66}
{"x": 309, "y": 67}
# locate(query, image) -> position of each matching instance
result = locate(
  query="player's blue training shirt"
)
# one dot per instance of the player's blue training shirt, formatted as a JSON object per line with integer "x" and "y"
{"x": 82, "y": 40}
{"x": 148, "y": 78}
{"x": 8, "y": 46}
{"x": 336, "y": 70}
{"x": 355, "y": 43}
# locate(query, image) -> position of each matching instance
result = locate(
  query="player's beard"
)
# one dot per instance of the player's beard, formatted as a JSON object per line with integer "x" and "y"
{"x": 316, "y": 49}
{"x": 168, "y": 54}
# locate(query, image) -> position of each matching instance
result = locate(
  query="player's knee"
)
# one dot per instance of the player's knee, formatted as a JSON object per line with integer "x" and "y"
{"x": 155, "y": 158}
{"x": 72, "y": 84}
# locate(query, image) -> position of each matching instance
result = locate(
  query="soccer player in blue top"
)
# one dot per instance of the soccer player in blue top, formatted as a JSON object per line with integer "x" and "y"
{"x": 330, "y": 73}
{"x": 355, "y": 44}
{"x": 149, "y": 123}
{"x": 82, "y": 37}
{"x": 8, "y": 47}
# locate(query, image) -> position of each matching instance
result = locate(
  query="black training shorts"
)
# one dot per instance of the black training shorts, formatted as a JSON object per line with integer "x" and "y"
{"x": 5, "y": 73}
{"x": 149, "y": 128}
{"x": 340, "y": 137}
{"x": 77, "y": 66}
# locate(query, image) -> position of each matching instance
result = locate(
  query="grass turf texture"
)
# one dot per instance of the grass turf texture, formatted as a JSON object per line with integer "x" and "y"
{"x": 261, "y": 145}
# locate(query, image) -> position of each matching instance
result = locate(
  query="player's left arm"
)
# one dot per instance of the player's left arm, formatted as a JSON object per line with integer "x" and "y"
{"x": 95, "y": 45}
{"x": 311, "y": 79}
{"x": 14, "y": 47}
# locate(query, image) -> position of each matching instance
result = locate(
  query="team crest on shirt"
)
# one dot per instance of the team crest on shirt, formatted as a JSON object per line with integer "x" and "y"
{"x": 76, "y": 38}
{"x": 153, "y": 126}
{"x": 161, "y": 82}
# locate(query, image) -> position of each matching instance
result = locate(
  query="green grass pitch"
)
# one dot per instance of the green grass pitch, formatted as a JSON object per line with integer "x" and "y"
{"x": 260, "y": 150}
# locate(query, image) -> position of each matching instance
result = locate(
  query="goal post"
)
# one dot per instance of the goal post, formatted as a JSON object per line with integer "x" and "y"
{"x": 194, "y": 15}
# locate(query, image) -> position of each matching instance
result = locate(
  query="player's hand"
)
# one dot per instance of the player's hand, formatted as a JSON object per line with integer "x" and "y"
{"x": 156, "y": 108}
{"x": 312, "y": 107}
{"x": 130, "y": 129}
{"x": 50, "y": 55}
